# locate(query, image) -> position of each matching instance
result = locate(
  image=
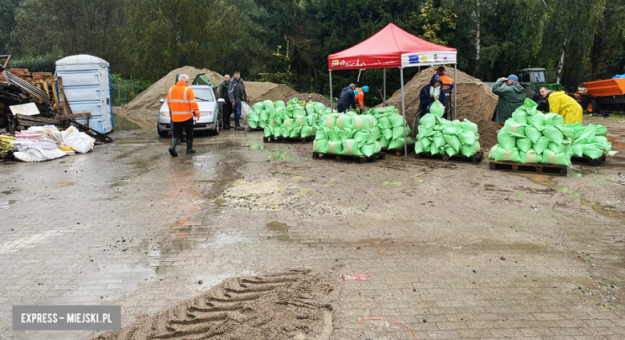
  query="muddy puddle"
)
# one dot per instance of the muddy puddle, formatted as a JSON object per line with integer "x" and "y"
{"x": 281, "y": 230}
{"x": 121, "y": 123}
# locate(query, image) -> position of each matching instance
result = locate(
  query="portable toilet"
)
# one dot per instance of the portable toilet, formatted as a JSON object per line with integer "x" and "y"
{"x": 87, "y": 86}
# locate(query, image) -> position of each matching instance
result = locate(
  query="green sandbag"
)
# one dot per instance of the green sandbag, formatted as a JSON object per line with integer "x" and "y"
{"x": 537, "y": 120}
{"x": 428, "y": 121}
{"x": 554, "y": 119}
{"x": 450, "y": 151}
{"x": 507, "y": 140}
{"x": 491, "y": 153}
{"x": 321, "y": 134}
{"x": 294, "y": 101}
{"x": 533, "y": 133}
{"x": 428, "y": 141}
{"x": 452, "y": 141}
{"x": 384, "y": 141}
{"x": 335, "y": 148}
{"x": 514, "y": 127}
{"x": 375, "y": 134}
{"x": 262, "y": 123}
{"x": 297, "y": 112}
{"x": 601, "y": 131}
{"x": 370, "y": 148}
{"x": 437, "y": 108}
{"x": 328, "y": 121}
{"x": 319, "y": 108}
{"x": 524, "y": 144}
{"x": 554, "y": 134}
{"x": 438, "y": 140}
{"x": 332, "y": 134}
{"x": 600, "y": 140}
{"x": 346, "y": 134}
{"x": 397, "y": 120}
{"x": 541, "y": 145}
{"x": 470, "y": 150}
{"x": 387, "y": 133}
{"x": 520, "y": 116}
{"x": 289, "y": 122}
{"x": 277, "y": 131}
{"x": 350, "y": 147}
{"x": 398, "y": 132}
{"x": 306, "y": 131}
{"x": 398, "y": 143}
{"x": 252, "y": 123}
{"x": 321, "y": 145}
{"x": 285, "y": 131}
{"x": 556, "y": 148}
{"x": 578, "y": 150}
{"x": 272, "y": 122}
{"x": 593, "y": 151}
{"x": 502, "y": 155}
{"x": 264, "y": 115}
{"x": 551, "y": 157}
{"x": 310, "y": 108}
{"x": 530, "y": 157}
{"x": 467, "y": 138}
{"x": 451, "y": 129}
{"x": 364, "y": 122}
{"x": 422, "y": 132}
{"x": 434, "y": 150}
{"x": 361, "y": 135}
{"x": 345, "y": 121}
{"x": 253, "y": 116}
{"x": 384, "y": 123}
{"x": 279, "y": 104}
{"x": 258, "y": 107}
{"x": 468, "y": 126}
{"x": 268, "y": 105}
{"x": 268, "y": 131}
{"x": 295, "y": 132}
{"x": 418, "y": 147}
{"x": 300, "y": 120}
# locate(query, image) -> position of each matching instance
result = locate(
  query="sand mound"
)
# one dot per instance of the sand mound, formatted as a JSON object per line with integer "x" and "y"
{"x": 148, "y": 100}
{"x": 476, "y": 102}
{"x": 291, "y": 305}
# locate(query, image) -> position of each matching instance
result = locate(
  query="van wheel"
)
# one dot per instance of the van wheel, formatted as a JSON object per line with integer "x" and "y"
{"x": 163, "y": 134}
{"x": 216, "y": 131}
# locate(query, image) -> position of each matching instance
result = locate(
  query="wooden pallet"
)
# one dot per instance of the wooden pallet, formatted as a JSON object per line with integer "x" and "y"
{"x": 350, "y": 158}
{"x": 302, "y": 140}
{"x": 256, "y": 129}
{"x": 541, "y": 169}
{"x": 475, "y": 159}
{"x": 588, "y": 161}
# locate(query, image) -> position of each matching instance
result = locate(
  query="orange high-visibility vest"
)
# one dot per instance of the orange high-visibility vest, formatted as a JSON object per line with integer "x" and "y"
{"x": 182, "y": 103}
{"x": 360, "y": 98}
{"x": 446, "y": 82}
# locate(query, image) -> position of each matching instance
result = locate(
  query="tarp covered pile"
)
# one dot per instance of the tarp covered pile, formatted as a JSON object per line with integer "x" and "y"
{"x": 438, "y": 135}
{"x": 531, "y": 136}
{"x": 291, "y": 121}
{"x": 42, "y": 143}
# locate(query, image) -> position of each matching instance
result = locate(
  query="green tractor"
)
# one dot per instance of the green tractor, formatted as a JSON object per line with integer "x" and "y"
{"x": 532, "y": 79}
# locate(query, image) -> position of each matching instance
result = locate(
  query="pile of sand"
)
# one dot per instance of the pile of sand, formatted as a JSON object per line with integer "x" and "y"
{"x": 476, "y": 102}
{"x": 148, "y": 100}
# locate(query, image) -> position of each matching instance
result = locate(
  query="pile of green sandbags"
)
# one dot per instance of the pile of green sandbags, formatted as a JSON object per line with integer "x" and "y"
{"x": 348, "y": 134}
{"x": 590, "y": 140}
{"x": 391, "y": 126}
{"x": 531, "y": 136}
{"x": 292, "y": 120}
{"x": 438, "y": 135}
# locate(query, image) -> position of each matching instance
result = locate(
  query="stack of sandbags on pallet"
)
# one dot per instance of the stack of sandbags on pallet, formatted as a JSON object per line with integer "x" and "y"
{"x": 391, "y": 125}
{"x": 531, "y": 136}
{"x": 348, "y": 134}
{"x": 590, "y": 141}
{"x": 293, "y": 121}
{"x": 438, "y": 135}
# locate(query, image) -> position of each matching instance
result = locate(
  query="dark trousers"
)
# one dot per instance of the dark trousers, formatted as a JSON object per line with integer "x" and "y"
{"x": 237, "y": 113}
{"x": 227, "y": 112}
{"x": 187, "y": 126}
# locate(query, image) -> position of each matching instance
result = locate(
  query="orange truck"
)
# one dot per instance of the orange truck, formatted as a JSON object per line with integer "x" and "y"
{"x": 603, "y": 94}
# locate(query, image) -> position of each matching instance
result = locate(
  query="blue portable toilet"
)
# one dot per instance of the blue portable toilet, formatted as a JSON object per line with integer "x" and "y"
{"x": 87, "y": 86}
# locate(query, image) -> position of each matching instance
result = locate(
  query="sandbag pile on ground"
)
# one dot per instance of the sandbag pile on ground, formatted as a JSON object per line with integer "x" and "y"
{"x": 438, "y": 135}
{"x": 291, "y": 120}
{"x": 348, "y": 134}
{"x": 531, "y": 136}
{"x": 391, "y": 125}
{"x": 590, "y": 141}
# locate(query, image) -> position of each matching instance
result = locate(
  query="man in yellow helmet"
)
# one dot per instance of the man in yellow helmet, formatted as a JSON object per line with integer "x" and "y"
{"x": 563, "y": 104}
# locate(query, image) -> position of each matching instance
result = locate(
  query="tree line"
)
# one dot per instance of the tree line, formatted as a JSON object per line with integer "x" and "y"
{"x": 288, "y": 41}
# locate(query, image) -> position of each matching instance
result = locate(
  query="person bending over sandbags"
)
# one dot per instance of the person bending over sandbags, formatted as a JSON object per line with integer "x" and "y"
{"x": 564, "y": 105}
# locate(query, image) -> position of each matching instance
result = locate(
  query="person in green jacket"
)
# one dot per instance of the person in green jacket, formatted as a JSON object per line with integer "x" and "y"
{"x": 511, "y": 96}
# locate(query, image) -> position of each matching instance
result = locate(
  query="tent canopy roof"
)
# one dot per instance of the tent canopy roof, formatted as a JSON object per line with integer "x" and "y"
{"x": 385, "y": 50}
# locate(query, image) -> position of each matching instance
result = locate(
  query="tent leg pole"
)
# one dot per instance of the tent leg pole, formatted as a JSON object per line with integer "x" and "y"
{"x": 384, "y": 99}
{"x": 455, "y": 93}
{"x": 403, "y": 110}
{"x": 331, "y": 106}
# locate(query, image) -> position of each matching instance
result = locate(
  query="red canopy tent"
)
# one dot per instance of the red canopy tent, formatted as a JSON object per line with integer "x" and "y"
{"x": 393, "y": 47}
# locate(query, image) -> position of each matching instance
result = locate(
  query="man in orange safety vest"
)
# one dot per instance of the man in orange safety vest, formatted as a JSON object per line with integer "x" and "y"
{"x": 183, "y": 107}
{"x": 359, "y": 93}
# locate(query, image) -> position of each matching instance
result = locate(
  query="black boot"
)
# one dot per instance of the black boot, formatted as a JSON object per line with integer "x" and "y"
{"x": 238, "y": 127}
{"x": 172, "y": 147}
{"x": 227, "y": 124}
{"x": 190, "y": 146}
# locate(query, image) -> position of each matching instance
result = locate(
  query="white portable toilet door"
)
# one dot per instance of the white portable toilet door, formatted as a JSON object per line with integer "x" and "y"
{"x": 105, "y": 100}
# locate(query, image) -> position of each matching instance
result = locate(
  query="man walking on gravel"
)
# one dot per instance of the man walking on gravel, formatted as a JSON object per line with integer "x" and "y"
{"x": 236, "y": 92}
{"x": 183, "y": 107}
{"x": 227, "y": 107}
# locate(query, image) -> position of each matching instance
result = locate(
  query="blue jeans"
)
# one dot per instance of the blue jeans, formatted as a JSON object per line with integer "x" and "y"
{"x": 237, "y": 113}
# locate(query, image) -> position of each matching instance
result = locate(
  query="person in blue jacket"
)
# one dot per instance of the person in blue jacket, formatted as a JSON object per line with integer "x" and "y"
{"x": 347, "y": 99}
{"x": 431, "y": 93}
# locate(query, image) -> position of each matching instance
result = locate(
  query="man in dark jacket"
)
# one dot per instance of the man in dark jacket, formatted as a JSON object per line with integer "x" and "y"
{"x": 227, "y": 106}
{"x": 511, "y": 96}
{"x": 431, "y": 93}
{"x": 347, "y": 99}
{"x": 236, "y": 92}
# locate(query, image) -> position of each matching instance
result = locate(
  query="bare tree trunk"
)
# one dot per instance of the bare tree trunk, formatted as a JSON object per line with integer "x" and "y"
{"x": 478, "y": 41}
{"x": 560, "y": 63}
